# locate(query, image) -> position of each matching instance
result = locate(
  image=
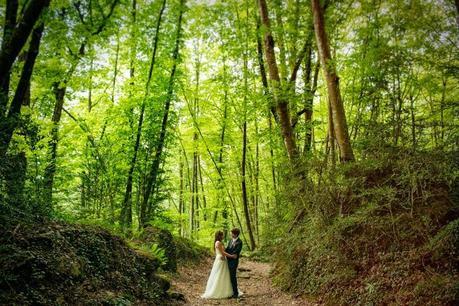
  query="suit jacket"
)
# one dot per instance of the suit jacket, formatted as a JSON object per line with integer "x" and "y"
{"x": 234, "y": 249}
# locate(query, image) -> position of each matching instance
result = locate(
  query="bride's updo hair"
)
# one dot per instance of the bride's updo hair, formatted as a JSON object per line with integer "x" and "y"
{"x": 218, "y": 236}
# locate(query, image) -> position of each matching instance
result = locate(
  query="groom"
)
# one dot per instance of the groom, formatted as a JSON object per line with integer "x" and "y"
{"x": 234, "y": 247}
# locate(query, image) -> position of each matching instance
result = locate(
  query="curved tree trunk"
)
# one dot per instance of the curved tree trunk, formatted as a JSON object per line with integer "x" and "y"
{"x": 338, "y": 113}
{"x": 281, "y": 102}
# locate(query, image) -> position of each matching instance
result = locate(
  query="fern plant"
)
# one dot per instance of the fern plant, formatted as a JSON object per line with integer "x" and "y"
{"x": 159, "y": 253}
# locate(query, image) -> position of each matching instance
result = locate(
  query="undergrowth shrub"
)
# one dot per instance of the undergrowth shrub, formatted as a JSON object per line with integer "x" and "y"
{"x": 379, "y": 231}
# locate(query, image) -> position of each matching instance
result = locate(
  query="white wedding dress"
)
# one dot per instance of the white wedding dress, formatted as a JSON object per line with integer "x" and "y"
{"x": 219, "y": 283}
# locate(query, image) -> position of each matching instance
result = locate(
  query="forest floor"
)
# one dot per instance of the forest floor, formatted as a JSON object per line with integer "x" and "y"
{"x": 253, "y": 281}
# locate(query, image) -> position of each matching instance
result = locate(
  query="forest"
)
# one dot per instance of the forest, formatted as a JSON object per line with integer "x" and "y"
{"x": 327, "y": 131}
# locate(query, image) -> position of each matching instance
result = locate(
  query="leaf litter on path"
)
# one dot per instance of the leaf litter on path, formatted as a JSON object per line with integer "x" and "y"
{"x": 253, "y": 281}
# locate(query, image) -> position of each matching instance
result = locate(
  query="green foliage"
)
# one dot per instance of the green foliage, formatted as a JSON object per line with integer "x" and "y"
{"x": 375, "y": 231}
{"x": 159, "y": 253}
{"x": 189, "y": 251}
{"x": 68, "y": 264}
{"x": 363, "y": 227}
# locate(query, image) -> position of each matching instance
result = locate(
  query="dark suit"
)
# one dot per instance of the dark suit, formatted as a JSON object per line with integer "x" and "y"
{"x": 233, "y": 262}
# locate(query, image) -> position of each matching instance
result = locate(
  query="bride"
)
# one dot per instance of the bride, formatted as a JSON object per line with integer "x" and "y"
{"x": 219, "y": 283}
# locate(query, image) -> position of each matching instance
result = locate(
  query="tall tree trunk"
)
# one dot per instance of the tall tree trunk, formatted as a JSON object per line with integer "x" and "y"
{"x": 50, "y": 170}
{"x": 245, "y": 201}
{"x": 115, "y": 71}
{"x": 332, "y": 80}
{"x": 126, "y": 207}
{"x": 9, "y": 124}
{"x": 203, "y": 195}
{"x": 194, "y": 217}
{"x": 220, "y": 185}
{"x": 244, "y": 188}
{"x": 280, "y": 35}
{"x": 11, "y": 12}
{"x": 18, "y": 38}
{"x": 264, "y": 78}
{"x": 281, "y": 103}
{"x": 14, "y": 166}
{"x": 310, "y": 89}
{"x": 152, "y": 178}
{"x": 331, "y": 137}
{"x": 442, "y": 112}
{"x": 413, "y": 125}
{"x": 181, "y": 197}
{"x": 457, "y": 12}
{"x": 271, "y": 153}
{"x": 194, "y": 188}
{"x": 257, "y": 182}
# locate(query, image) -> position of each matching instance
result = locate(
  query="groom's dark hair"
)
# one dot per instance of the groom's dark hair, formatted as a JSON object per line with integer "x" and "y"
{"x": 235, "y": 231}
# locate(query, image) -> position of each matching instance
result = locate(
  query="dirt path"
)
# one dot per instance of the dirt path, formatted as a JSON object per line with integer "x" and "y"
{"x": 254, "y": 282}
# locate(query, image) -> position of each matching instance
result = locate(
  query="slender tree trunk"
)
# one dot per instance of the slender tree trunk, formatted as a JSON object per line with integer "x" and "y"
{"x": 115, "y": 75}
{"x": 413, "y": 124}
{"x": 203, "y": 195}
{"x": 115, "y": 70}
{"x": 264, "y": 78}
{"x": 245, "y": 201}
{"x": 257, "y": 183}
{"x": 244, "y": 188}
{"x": 331, "y": 137}
{"x": 280, "y": 34}
{"x": 193, "y": 202}
{"x": 194, "y": 187}
{"x": 59, "y": 94}
{"x": 221, "y": 198}
{"x": 398, "y": 106}
{"x": 152, "y": 178}
{"x": 91, "y": 68}
{"x": 457, "y": 12}
{"x": 194, "y": 218}
{"x": 271, "y": 153}
{"x": 332, "y": 80}
{"x": 181, "y": 197}
{"x": 310, "y": 89}
{"x": 442, "y": 111}
{"x": 126, "y": 207}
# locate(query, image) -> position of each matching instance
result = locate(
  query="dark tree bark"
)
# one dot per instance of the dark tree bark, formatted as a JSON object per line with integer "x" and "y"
{"x": 10, "y": 22}
{"x": 457, "y": 11}
{"x": 12, "y": 119}
{"x": 18, "y": 38}
{"x": 153, "y": 175}
{"x": 310, "y": 90}
{"x": 244, "y": 188}
{"x": 203, "y": 195}
{"x": 338, "y": 113}
{"x": 50, "y": 170}
{"x": 220, "y": 184}
{"x": 194, "y": 189}
{"x": 264, "y": 78}
{"x": 181, "y": 197}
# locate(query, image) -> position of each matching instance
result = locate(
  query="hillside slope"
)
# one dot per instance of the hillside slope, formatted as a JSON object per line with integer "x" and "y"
{"x": 56, "y": 263}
